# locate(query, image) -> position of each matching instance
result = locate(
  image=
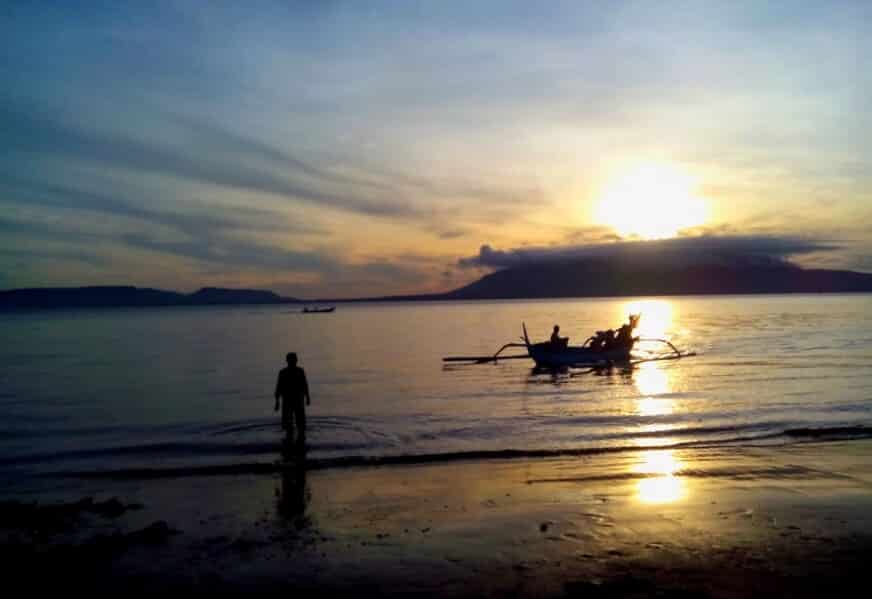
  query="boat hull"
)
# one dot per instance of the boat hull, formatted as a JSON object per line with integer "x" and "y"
{"x": 547, "y": 357}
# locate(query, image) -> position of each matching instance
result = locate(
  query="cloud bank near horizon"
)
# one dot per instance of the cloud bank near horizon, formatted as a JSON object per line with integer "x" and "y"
{"x": 681, "y": 251}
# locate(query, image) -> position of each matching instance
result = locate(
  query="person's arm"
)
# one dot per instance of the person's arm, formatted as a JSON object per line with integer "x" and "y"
{"x": 278, "y": 383}
{"x": 306, "y": 389}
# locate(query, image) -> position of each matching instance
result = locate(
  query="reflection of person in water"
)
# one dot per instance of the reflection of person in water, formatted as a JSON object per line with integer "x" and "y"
{"x": 294, "y": 496}
{"x": 292, "y": 388}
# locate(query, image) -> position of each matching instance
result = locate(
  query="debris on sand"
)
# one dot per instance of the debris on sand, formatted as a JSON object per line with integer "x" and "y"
{"x": 56, "y": 517}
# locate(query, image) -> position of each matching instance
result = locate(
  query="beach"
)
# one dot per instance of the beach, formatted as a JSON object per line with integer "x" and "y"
{"x": 699, "y": 522}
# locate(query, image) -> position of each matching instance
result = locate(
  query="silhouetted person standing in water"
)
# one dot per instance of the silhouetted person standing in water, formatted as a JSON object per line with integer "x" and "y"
{"x": 292, "y": 387}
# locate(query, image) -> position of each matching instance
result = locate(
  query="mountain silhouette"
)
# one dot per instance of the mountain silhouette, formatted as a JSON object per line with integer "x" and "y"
{"x": 614, "y": 277}
{"x": 589, "y": 277}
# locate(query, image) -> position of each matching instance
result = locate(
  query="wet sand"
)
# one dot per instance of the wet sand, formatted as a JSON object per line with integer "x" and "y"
{"x": 790, "y": 520}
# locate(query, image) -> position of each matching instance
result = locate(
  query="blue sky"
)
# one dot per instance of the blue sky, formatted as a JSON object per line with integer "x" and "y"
{"x": 347, "y": 149}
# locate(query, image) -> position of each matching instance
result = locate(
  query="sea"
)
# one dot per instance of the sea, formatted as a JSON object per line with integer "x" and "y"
{"x": 188, "y": 389}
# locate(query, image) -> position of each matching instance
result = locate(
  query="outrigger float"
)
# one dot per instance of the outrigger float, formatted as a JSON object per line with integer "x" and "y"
{"x": 599, "y": 351}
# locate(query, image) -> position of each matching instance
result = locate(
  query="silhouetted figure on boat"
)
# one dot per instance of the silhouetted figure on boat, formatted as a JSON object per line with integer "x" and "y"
{"x": 557, "y": 341}
{"x": 292, "y": 388}
{"x": 609, "y": 340}
{"x": 624, "y": 338}
{"x": 603, "y": 340}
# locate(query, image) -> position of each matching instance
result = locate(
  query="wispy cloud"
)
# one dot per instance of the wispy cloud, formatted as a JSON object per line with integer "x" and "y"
{"x": 16, "y": 190}
{"x": 43, "y": 135}
{"x": 29, "y": 255}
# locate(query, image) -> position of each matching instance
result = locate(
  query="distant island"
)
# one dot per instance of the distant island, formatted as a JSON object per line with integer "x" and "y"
{"x": 574, "y": 278}
{"x": 127, "y": 296}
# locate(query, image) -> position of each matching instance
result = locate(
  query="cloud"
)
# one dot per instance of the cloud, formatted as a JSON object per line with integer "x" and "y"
{"x": 29, "y": 255}
{"x": 211, "y": 236}
{"x": 41, "y": 230}
{"x": 682, "y": 250}
{"x": 354, "y": 279}
{"x": 38, "y": 134}
{"x": 194, "y": 149}
{"x": 215, "y": 249}
{"x": 452, "y": 234}
{"x": 230, "y": 252}
{"x": 250, "y": 148}
{"x": 208, "y": 219}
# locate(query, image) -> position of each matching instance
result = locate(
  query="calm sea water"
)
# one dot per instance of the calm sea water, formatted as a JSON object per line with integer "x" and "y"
{"x": 175, "y": 387}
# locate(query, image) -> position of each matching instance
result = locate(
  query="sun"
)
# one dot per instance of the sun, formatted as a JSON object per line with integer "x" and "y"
{"x": 650, "y": 202}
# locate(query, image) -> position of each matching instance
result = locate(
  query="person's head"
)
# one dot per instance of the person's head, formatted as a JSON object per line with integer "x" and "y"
{"x": 291, "y": 358}
{"x": 556, "y": 328}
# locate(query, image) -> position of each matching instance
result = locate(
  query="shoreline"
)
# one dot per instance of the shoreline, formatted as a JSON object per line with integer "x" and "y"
{"x": 287, "y": 459}
{"x": 788, "y": 519}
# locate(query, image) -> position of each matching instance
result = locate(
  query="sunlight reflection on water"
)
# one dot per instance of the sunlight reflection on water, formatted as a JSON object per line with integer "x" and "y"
{"x": 651, "y": 379}
{"x": 662, "y": 484}
{"x": 657, "y": 316}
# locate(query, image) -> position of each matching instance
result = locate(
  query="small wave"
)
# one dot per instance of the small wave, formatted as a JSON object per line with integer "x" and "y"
{"x": 247, "y": 427}
{"x": 351, "y": 461}
{"x": 361, "y": 454}
{"x": 150, "y": 449}
{"x": 832, "y": 432}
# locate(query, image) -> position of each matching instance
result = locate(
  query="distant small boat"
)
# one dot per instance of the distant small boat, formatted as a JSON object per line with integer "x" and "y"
{"x": 317, "y": 310}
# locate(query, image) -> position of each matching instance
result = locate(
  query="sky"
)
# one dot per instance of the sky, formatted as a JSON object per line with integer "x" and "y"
{"x": 348, "y": 149}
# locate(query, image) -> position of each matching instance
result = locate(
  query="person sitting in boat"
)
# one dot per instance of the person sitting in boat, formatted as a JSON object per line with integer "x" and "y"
{"x": 604, "y": 340}
{"x": 625, "y": 338}
{"x": 558, "y": 342}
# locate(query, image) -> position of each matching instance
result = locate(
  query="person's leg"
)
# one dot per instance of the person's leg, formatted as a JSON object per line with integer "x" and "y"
{"x": 292, "y": 425}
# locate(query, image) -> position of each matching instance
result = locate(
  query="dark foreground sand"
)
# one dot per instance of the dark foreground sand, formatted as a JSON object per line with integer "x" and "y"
{"x": 727, "y": 522}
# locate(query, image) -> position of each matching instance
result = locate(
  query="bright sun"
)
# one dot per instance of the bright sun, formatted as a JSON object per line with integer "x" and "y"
{"x": 650, "y": 202}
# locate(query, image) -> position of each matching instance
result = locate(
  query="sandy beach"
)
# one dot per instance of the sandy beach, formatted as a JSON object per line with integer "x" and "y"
{"x": 726, "y": 522}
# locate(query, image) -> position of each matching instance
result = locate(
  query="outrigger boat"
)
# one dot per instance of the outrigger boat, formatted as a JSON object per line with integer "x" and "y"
{"x": 548, "y": 354}
{"x": 601, "y": 350}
